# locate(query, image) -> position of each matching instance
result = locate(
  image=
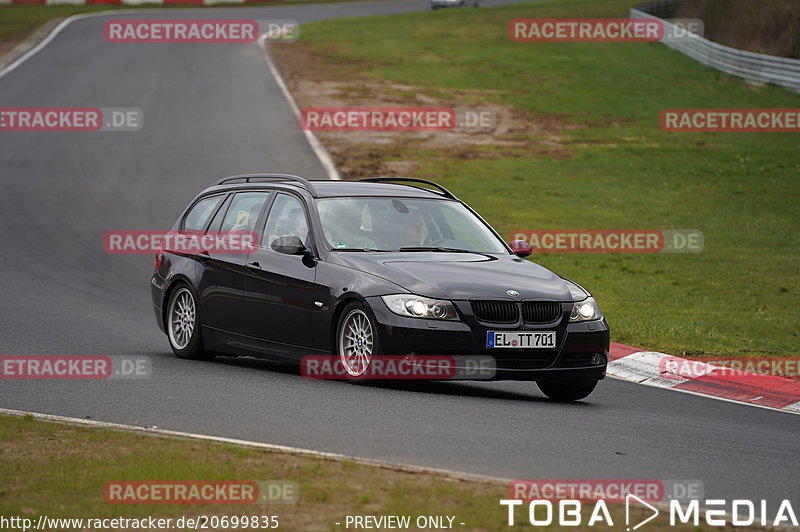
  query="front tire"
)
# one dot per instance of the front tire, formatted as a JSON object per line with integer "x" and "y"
{"x": 356, "y": 341}
{"x": 183, "y": 325}
{"x": 567, "y": 391}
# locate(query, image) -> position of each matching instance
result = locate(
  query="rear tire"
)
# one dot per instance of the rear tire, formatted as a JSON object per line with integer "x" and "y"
{"x": 567, "y": 391}
{"x": 184, "y": 325}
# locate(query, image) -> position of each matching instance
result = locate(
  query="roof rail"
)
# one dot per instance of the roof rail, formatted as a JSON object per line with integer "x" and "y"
{"x": 274, "y": 177}
{"x": 441, "y": 190}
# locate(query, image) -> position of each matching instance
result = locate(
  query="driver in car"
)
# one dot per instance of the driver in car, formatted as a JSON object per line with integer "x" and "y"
{"x": 397, "y": 229}
{"x": 409, "y": 229}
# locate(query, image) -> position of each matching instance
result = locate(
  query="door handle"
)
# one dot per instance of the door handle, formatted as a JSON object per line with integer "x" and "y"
{"x": 203, "y": 255}
{"x": 253, "y": 266}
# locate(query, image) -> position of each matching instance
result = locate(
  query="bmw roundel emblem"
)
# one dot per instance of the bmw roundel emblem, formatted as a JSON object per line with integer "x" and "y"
{"x": 512, "y": 292}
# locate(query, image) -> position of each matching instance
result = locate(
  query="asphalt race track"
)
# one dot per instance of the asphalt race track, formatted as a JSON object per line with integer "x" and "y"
{"x": 213, "y": 110}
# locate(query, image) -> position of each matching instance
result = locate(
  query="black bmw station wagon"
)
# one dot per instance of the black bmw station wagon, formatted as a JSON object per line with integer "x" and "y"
{"x": 359, "y": 270}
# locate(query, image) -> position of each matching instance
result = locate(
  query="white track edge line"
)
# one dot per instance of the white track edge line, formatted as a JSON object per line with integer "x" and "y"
{"x": 58, "y": 29}
{"x": 52, "y": 35}
{"x": 316, "y": 146}
{"x": 384, "y": 464}
{"x": 37, "y": 47}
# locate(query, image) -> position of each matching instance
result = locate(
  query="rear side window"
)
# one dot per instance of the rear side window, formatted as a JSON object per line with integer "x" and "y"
{"x": 216, "y": 221}
{"x": 199, "y": 214}
{"x": 244, "y": 211}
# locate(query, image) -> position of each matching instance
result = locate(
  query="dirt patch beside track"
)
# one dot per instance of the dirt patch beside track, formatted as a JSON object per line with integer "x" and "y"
{"x": 394, "y": 153}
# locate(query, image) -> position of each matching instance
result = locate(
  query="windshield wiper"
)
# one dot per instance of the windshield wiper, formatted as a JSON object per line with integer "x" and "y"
{"x": 361, "y": 249}
{"x": 445, "y": 250}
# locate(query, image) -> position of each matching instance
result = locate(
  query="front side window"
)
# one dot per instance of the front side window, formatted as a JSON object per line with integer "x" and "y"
{"x": 394, "y": 223}
{"x": 286, "y": 218}
{"x": 199, "y": 214}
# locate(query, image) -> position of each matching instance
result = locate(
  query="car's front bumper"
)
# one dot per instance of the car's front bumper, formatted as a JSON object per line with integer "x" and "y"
{"x": 465, "y": 340}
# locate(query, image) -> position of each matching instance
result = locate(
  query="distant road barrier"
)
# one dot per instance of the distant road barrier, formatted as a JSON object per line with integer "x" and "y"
{"x": 760, "y": 68}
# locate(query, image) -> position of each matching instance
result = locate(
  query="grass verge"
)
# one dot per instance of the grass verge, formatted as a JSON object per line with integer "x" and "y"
{"x": 588, "y": 154}
{"x": 59, "y": 471}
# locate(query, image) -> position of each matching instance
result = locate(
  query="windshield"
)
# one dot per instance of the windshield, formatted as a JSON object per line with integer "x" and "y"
{"x": 395, "y": 223}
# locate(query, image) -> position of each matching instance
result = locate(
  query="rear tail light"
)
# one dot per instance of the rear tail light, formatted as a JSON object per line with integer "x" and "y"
{"x": 159, "y": 256}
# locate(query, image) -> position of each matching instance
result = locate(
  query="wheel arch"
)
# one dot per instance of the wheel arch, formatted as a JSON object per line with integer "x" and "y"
{"x": 338, "y": 309}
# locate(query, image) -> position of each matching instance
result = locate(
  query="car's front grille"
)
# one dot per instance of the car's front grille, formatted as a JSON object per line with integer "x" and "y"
{"x": 495, "y": 311}
{"x": 540, "y": 311}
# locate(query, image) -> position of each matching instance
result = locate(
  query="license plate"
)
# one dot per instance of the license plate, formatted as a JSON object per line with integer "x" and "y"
{"x": 521, "y": 339}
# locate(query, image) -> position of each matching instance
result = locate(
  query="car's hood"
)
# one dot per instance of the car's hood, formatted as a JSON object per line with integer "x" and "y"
{"x": 460, "y": 276}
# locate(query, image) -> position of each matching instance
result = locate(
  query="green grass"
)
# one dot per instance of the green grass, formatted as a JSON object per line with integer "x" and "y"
{"x": 620, "y": 169}
{"x": 59, "y": 471}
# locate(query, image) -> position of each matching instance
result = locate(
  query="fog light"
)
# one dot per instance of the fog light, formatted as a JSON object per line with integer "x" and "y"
{"x": 598, "y": 359}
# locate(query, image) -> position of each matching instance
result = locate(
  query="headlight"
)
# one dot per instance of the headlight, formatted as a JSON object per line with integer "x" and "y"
{"x": 420, "y": 307}
{"x": 585, "y": 310}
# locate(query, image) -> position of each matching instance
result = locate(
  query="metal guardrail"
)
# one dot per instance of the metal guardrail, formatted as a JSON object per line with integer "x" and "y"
{"x": 760, "y": 68}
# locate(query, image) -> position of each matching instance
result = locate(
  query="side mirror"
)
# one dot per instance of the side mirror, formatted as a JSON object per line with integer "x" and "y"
{"x": 288, "y": 245}
{"x": 521, "y": 248}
